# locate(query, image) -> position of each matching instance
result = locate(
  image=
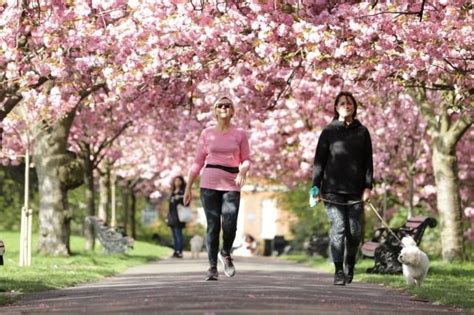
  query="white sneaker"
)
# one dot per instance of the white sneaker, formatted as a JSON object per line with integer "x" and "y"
{"x": 229, "y": 268}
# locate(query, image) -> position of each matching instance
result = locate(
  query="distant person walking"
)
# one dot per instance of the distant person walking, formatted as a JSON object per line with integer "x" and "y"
{"x": 343, "y": 174}
{"x": 176, "y": 197}
{"x": 223, "y": 151}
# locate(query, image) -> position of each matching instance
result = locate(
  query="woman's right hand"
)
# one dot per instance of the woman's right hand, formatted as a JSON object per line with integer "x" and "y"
{"x": 188, "y": 196}
{"x": 318, "y": 198}
{"x": 315, "y": 193}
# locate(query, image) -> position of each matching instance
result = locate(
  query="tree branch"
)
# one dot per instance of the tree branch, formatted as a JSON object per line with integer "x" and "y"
{"x": 421, "y": 10}
{"x": 418, "y": 95}
{"x": 418, "y": 13}
{"x": 85, "y": 93}
{"x": 14, "y": 97}
{"x": 435, "y": 87}
{"x": 287, "y": 86}
{"x": 458, "y": 129}
{"x": 389, "y": 12}
{"x": 97, "y": 155}
{"x": 444, "y": 122}
{"x": 9, "y": 105}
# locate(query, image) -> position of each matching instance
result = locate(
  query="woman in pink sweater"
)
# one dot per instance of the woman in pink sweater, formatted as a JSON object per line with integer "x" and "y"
{"x": 223, "y": 151}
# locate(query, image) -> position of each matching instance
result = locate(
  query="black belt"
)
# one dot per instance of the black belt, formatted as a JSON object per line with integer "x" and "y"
{"x": 233, "y": 170}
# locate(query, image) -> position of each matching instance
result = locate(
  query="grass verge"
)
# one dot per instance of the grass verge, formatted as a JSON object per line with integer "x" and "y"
{"x": 446, "y": 283}
{"x": 49, "y": 272}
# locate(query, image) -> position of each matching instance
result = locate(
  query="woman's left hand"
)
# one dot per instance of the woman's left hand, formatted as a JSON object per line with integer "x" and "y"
{"x": 242, "y": 175}
{"x": 366, "y": 194}
{"x": 240, "y": 179}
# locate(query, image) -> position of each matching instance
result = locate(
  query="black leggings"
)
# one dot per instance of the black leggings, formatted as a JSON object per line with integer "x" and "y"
{"x": 219, "y": 204}
{"x": 345, "y": 226}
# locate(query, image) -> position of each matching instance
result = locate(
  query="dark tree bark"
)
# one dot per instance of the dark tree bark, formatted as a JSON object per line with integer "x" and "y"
{"x": 133, "y": 210}
{"x": 104, "y": 191}
{"x": 90, "y": 200}
{"x": 126, "y": 209}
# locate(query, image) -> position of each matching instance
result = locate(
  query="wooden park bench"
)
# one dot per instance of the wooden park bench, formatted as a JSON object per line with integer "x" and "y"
{"x": 384, "y": 248}
{"x": 317, "y": 245}
{"x": 111, "y": 240}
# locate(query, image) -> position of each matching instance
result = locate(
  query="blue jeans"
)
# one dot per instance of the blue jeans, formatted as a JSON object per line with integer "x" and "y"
{"x": 345, "y": 233}
{"x": 178, "y": 239}
{"x": 219, "y": 204}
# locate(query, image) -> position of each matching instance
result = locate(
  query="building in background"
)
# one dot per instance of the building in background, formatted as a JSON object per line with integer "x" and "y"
{"x": 261, "y": 217}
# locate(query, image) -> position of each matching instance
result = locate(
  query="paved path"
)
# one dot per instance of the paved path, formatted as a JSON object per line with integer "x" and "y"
{"x": 261, "y": 286}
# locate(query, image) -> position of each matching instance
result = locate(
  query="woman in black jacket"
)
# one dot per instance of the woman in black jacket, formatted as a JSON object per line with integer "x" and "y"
{"x": 343, "y": 174}
{"x": 176, "y": 197}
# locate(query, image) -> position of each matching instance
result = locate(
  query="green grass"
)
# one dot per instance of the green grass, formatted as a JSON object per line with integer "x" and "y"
{"x": 48, "y": 272}
{"x": 446, "y": 283}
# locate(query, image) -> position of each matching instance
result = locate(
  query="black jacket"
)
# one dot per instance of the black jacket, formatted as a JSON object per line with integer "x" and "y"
{"x": 175, "y": 199}
{"x": 343, "y": 159}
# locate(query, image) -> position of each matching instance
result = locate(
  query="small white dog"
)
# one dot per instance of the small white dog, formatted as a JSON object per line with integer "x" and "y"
{"x": 196, "y": 245}
{"x": 415, "y": 262}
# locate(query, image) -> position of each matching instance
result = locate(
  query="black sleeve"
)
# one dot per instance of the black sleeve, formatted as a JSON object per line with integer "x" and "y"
{"x": 179, "y": 197}
{"x": 171, "y": 204}
{"x": 369, "y": 165}
{"x": 320, "y": 159}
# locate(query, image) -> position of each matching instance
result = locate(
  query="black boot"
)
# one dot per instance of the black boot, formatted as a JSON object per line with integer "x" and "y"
{"x": 350, "y": 274}
{"x": 350, "y": 263}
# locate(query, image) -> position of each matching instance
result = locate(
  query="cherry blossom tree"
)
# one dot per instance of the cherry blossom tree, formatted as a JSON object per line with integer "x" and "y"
{"x": 136, "y": 80}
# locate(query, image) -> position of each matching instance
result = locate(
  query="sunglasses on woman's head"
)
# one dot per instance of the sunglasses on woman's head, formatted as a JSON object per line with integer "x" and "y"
{"x": 224, "y": 105}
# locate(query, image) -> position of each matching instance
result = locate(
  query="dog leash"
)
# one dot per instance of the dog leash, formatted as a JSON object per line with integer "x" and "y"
{"x": 383, "y": 221}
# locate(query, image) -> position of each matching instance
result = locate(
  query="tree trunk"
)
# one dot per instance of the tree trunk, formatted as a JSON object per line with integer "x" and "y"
{"x": 67, "y": 220}
{"x": 53, "y": 164}
{"x": 133, "y": 209}
{"x": 449, "y": 204}
{"x": 90, "y": 203}
{"x": 411, "y": 190}
{"x": 104, "y": 188}
{"x": 385, "y": 201}
{"x": 445, "y": 134}
{"x": 126, "y": 209}
{"x": 58, "y": 171}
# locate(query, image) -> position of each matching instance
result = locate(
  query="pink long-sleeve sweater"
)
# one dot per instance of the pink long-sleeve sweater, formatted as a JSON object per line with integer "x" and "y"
{"x": 229, "y": 148}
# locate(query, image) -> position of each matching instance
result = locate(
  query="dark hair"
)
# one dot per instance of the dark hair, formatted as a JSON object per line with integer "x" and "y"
{"x": 351, "y": 97}
{"x": 182, "y": 180}
{"x": 249, "y": 237}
